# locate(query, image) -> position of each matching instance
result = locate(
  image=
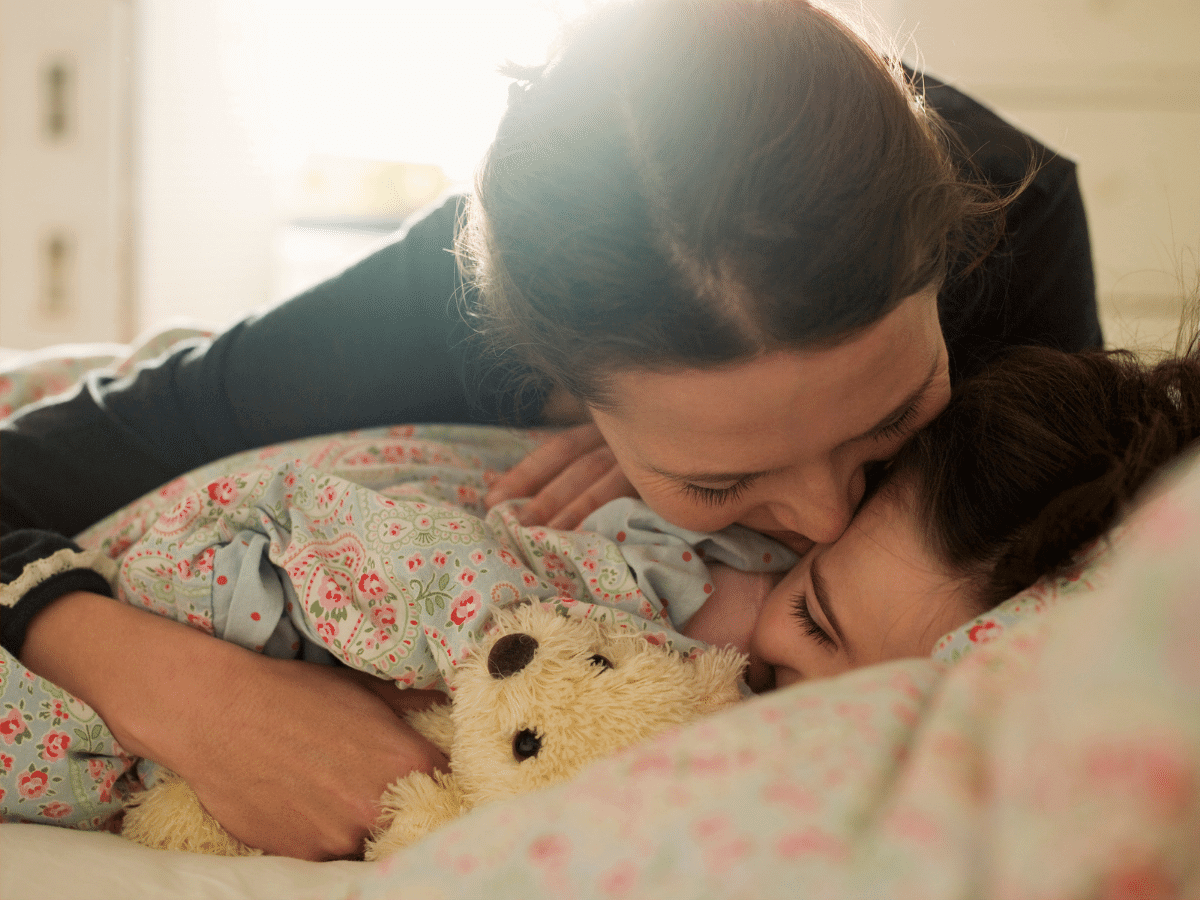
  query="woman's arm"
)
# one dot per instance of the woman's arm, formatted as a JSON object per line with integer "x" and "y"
{"x": 383, "y": 342}
{"x": 289, "y": 756}
{"x": 1038, "y": 286}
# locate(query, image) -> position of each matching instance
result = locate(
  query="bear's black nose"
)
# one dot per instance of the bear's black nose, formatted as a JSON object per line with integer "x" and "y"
{"x": 511, "y": 654}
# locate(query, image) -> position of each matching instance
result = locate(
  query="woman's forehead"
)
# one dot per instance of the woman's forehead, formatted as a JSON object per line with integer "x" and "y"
{"x": 780, "y": 402}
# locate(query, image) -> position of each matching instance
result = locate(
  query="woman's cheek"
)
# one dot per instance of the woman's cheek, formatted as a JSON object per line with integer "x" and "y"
{"x": 685, "y": 511}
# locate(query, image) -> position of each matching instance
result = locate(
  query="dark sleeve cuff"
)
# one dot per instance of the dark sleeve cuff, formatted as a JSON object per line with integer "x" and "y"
{"x": 38, "y": 567}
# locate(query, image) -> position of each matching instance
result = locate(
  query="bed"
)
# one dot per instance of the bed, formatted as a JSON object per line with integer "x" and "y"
{"x": 1050, "y": 749}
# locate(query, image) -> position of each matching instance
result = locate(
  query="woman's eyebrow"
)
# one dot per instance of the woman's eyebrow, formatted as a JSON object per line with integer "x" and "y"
{"x": 821, "y": 594}
{"x": 901, "y": 410}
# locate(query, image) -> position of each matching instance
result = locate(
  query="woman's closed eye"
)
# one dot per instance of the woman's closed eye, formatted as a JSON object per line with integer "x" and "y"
{"x": 900, "y": 426}
{"x": 716, "y": 496}
{"x": 804, "y": 616}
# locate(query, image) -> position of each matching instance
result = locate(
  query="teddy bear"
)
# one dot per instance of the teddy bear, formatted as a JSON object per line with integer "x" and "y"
{"x": 539, "y": 698}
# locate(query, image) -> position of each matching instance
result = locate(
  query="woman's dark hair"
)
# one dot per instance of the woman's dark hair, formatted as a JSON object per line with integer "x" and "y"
{"x": 1040, "y": 454}
{"x": 688, "y": 183}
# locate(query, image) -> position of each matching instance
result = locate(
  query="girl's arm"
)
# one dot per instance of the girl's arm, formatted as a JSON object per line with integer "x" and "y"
{"x": 728, "y": 616}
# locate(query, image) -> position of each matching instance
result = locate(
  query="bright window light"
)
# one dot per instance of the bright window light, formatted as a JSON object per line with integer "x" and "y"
{"x": 394, "y": 79}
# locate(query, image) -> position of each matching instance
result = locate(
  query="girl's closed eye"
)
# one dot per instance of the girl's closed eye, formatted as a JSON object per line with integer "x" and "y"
{"x": 804, "y": 616}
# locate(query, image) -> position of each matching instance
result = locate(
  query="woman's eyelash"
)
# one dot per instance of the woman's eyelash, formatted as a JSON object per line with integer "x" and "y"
{"x": 900, "y": 426}
{"x": 717, "y": 496}
{"x": 804, "y": 617}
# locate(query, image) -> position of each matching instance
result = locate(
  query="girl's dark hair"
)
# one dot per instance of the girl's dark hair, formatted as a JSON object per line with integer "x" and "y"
{"x": 1040, "y": 454}
{"x": 692, "y": 182}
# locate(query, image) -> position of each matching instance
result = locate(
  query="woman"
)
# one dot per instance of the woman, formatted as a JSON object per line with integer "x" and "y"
{"x": 815, "y": 263}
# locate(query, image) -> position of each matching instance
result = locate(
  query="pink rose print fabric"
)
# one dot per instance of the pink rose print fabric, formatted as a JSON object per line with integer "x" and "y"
{"x": 365, "y": 551}
{"x": 59, "y": 764}
{"x": 1048, "y": 749}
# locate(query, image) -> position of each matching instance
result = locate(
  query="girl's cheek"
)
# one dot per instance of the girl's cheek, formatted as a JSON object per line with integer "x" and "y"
{"x": 772, "y": 636}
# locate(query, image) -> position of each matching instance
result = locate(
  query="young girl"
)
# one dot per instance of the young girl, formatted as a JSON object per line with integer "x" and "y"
{"x": 1031, "y": 461}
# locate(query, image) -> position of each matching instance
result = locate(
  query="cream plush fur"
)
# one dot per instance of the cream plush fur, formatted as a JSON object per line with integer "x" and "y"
{"x": 539, "y": 699}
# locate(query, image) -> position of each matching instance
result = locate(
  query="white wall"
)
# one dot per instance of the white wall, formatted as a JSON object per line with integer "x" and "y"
{"x": 207, "y": 204}
{"x": 65, "y": 187}
{"x": 1114, "y": 84}
{"x": 235, "y": 95}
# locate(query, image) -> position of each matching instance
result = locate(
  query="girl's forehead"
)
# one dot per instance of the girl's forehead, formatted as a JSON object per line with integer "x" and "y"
{"x": 882, "y": 572}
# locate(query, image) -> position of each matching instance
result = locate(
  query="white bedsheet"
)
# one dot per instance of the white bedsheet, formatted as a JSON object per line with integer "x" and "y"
{"x": 41, "y": 862}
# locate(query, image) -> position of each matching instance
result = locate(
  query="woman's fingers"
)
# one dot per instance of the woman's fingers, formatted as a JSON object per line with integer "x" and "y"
{"x": 545, "y": 463}
{"x": 401, "y": 700}
{"x": 611, "y": 484}
{"x": 322, "y": 729}
{"x": 558, "y": 503}
{"x": 566, "y": 478}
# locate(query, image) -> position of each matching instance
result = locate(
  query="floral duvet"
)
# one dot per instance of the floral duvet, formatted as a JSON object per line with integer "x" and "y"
{"x": 1048, "y": 750}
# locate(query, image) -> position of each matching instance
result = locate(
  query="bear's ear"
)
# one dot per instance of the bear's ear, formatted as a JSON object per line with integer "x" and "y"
{"x": 510, "y": 654}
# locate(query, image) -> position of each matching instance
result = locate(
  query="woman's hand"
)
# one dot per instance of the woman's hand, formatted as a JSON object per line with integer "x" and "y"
{"x": 568, "y": 476}
{"x": 303, "y": 755}
{"x": 288, "y": 756}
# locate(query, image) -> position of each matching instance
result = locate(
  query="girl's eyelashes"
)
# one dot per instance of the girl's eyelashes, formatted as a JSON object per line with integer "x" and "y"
{"x": 802, "y": 614}
{"x": 717, "y": 496}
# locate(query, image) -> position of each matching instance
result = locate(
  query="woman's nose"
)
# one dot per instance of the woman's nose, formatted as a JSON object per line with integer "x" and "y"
{"x": 821, "y": 525}
{"x": 821, "y": 505}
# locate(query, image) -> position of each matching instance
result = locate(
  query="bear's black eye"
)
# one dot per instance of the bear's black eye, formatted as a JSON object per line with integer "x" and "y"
{"x": 601, "y": 661}
{"x": 526, "y": 744}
